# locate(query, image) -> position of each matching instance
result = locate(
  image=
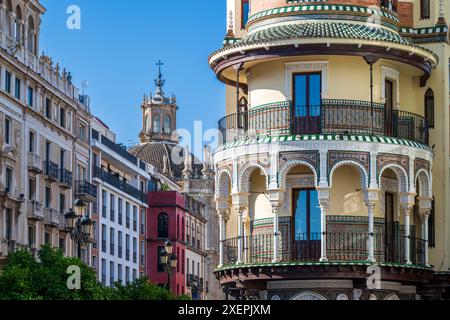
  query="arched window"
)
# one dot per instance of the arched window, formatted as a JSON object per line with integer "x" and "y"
{"x": 429, "y": 108}
{"x": 167, "y": 125}
{"x": 31, "y": 39}
{"x": 9, "y": 12}
{"x": 242, "y": 113}
{"x": 425, "y": 9}
{"x": 18, "y": 25}
{"x": 156, "y": 123}
{"x": 163, "y": 225}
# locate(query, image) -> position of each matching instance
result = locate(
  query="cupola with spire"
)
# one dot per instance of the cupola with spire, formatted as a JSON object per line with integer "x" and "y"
{"x": 159, "y": 114}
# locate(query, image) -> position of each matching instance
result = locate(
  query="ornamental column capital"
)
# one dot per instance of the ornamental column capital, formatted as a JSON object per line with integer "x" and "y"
{"x": 240, "y": 200}
{"x": 276, "y": 197}
{"x": 407, "y": 201}
{"x": 324, "y": 197}
{"x": 371, "y": 196}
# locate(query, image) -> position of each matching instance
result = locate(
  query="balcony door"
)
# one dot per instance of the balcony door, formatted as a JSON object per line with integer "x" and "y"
{"x": 306, "y": 224}
{"x": 307, "y": 103}
{"x": 389, "y": 107}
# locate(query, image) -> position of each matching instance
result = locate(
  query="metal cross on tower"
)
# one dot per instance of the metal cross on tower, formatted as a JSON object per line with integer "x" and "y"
{"x": 160, "y": 81}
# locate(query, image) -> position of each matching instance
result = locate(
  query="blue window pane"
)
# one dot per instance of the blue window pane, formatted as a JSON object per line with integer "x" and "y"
{"x": 301, "y": 225}
{"x": 315, "y": 214}
{"x": 314, "y": 94}
{"x": 245, "y": 12}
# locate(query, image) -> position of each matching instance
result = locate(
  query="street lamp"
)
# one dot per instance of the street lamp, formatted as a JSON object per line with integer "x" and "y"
{"x": 169, "y": 260}
{"x": 79, "y": 225}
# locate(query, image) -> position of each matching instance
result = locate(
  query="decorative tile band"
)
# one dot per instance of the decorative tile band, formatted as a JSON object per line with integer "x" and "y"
{"x": 426, "y": 35}
{"x": 319, "y": 137}
{"x": 322, "y": 7}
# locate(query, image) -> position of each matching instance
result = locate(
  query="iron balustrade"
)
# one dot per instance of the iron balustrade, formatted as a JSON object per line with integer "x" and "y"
{"x": 65, "y": 176}
{"x": 51, "y": 169}
{"x": 119, "y": 150}
{"x": 118, "y": 183}
{"x": 331, "y": 117}
{"x": 86, "y": 188}
{"x": 341, "y": 247}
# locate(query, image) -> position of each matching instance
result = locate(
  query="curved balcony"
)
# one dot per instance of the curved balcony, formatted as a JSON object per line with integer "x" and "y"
{"x": 332, "y": 117}
{"x": 341, "y": 248}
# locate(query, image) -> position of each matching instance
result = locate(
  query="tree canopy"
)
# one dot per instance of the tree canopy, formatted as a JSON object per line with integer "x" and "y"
{"x": 26, "y": 278}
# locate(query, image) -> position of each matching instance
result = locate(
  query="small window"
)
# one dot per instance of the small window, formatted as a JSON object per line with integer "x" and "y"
{"x": 31, "y": 189}
{"x": 31, "y": 142}
{"x": 48, "y": 108}
{"x": 9, "y": 180}
{"x": 127, "y": 215}
{"x": 47, "y": 238}
{"x": 62, "y": 117}
{"x": 31, "y": 237}
{"x": 30, "y": 96}
{"x": 103, "y": 238}
{"x": 18, "y": 86}
{"x": 425, "y": 9}
{"x": 7, "y": 130}
{"x": 62, "y": 245}
{"x": 7, "y": 81}
{"x": 62, "y": 203}
{"x": 429, "y": 108}
{"x": 156, "y": 124}
{"x": 111, "y": 240}
{"x": 127, "y": 247}
{"x": 160, "y": 264}
{"x": 120, "y": 247}
{"x": 111, "y": 273}
{"x": 48, "y": 197}
{"x": 163, "y": 226}
{"x": 245, "y": 12}
{"x": 167, "y": 125}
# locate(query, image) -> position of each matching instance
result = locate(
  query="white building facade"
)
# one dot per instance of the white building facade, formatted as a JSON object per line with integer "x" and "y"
{"x": 118, "y": 254}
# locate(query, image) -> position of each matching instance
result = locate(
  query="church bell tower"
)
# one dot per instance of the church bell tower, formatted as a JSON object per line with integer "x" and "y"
{"x": 159, "y": 114}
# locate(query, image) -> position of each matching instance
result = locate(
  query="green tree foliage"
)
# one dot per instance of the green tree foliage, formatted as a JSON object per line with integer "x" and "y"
{"x": 45, "y": 278}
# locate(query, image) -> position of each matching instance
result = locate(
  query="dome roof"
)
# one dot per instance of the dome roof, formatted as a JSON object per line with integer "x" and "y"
{"x": 167, "y": 158}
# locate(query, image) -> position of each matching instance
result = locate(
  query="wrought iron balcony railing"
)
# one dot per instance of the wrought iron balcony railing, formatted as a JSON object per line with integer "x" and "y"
{"x": 86, "y": 190}
{"x": 341, "y": 247}
{"x": 118, "y": 183}
{"x": 331, "y": 117}
{"x": 51, "y": 170}
{"x": 65, "y": 177}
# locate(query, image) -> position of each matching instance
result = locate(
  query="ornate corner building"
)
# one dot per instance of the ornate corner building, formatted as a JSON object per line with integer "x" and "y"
{"x": 44, "y": 138}
{"x": 335, "y": 149}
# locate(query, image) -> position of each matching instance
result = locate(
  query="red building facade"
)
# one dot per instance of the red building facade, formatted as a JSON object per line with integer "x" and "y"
{"x": 166, "y": 217}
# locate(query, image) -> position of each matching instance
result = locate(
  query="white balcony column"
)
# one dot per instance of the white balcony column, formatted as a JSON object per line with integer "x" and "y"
{"x": 223, "y": 217}
{"x": 246, "y": 235}
{"x": 240, "y": 203}
{"x": 424, "y": 219}
{"x": 407, "y": 201}
{"x": 276, "y": 198}
{"x": 276, "y": 235}
{"x": 240, "y": 245}
{"x": 425, "y": 207}
{"x": 324, "y": 201}
{"x": 407, "y": 213}
{"x": 371, "y": 197}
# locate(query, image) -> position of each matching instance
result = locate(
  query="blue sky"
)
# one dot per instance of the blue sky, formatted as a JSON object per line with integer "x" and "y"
{"x": 118, "y": 46}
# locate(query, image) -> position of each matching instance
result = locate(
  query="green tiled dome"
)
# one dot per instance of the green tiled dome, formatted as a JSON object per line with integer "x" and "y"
{"x": 310, "y": 30}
